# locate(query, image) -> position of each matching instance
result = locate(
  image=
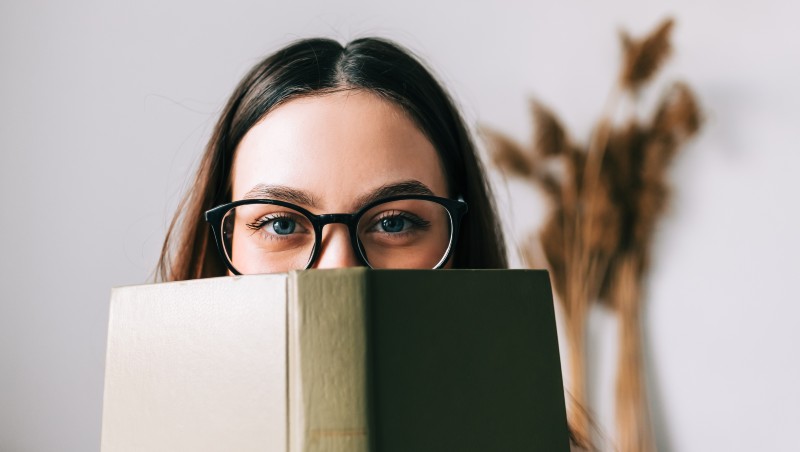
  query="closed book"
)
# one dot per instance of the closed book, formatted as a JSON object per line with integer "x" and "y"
{"x": 336, "y": 360}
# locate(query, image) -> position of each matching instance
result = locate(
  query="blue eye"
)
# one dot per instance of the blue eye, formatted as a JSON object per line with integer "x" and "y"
{"x": 393, "y": 224}
{"x": 283, "y": 226}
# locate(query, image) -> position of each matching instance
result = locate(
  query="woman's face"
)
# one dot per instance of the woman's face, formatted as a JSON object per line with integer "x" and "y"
{"x": 333, "y": 153}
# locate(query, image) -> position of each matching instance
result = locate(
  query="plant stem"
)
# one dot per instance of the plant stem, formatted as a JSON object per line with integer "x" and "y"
{"x": 576, "y": 337}
{"x": 634, "y": 432}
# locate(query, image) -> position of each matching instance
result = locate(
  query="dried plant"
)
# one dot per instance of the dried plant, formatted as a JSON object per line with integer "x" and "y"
{"x": 605, "y": 199}
{"x": 643, "y": 58}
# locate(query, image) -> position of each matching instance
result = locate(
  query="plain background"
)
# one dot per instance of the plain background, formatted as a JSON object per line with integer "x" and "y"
{"x": 105, "y": 106}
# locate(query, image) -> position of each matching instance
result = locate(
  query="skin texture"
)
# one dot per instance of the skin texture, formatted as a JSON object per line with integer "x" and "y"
{"x": 337, "y": 148}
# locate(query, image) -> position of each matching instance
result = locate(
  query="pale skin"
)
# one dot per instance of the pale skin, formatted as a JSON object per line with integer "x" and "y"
{"x": 331, "y": 153}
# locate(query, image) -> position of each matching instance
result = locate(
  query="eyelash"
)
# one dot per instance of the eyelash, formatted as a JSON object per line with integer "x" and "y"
{"x": 418, "y": 222}
{"x": 258, "y": 224}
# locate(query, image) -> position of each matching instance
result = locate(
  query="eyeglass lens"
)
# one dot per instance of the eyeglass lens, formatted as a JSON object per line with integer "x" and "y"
{"x": 268, "y": 238}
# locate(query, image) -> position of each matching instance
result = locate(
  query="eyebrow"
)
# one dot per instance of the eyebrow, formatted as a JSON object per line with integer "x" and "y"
{"x": 283, "y": 193}
{"x": 407, "y": 187}
{"x": 295, "y": 196}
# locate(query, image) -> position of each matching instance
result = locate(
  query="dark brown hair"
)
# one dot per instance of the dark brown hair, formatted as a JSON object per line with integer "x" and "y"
{"x": 318, "y": 66}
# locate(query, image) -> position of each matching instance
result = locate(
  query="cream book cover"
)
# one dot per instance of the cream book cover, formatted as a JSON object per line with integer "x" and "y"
{"x": 336, "y": 360}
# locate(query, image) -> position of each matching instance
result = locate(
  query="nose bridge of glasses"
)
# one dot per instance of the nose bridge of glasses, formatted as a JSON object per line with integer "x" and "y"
{"x": 337, "y": 247}
{"x": 331, "y": 218}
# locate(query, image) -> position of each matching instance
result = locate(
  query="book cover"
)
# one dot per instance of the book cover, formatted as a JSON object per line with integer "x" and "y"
{"x": 336, "y": 360}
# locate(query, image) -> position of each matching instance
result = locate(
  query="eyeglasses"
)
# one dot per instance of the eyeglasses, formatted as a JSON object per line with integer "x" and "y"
{"x": 271, "y": 236}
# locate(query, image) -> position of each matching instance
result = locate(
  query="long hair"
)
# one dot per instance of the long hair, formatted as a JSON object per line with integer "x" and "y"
{"x": 317, "y": 66}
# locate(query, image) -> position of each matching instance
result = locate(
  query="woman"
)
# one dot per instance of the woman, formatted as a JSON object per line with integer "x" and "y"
{"x": 320, "y": 128}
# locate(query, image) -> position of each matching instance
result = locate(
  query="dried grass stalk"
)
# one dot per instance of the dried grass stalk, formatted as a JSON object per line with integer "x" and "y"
{"x": 507, "y": 155}
{"x": 634, "y": 431}
{"x": 644, "y": 57}
{"x": 549, "y": 138}
{"x": 605, "y": 201}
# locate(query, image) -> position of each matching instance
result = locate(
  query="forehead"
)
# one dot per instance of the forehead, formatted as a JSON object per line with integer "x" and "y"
{"x": 337, "y": 147}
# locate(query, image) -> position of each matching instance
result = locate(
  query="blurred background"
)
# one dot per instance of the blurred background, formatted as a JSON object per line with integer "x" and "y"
{"x": 105, "y": 108}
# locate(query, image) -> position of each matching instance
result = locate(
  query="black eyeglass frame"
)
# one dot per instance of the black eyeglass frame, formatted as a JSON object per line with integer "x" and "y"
{"x": 455, "y": 208}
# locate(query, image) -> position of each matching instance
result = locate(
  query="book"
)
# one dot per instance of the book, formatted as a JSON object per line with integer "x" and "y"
{"x": 336, "y": 360}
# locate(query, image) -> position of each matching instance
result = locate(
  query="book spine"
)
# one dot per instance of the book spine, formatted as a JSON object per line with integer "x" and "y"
{"x": 327, "y": 362}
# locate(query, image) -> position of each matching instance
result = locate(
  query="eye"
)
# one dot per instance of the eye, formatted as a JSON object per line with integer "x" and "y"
{"x": 278, "y": 225}
{"x": 397, "y": 222}
{"x": 393, "y": 224}
{"x": 283, "y": 226}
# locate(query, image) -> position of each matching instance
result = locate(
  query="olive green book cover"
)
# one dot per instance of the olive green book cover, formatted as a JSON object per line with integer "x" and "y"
{"x": 336, "y": 360}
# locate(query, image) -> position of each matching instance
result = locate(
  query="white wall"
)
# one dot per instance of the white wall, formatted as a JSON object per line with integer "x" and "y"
{"x": 104, "y": 107}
